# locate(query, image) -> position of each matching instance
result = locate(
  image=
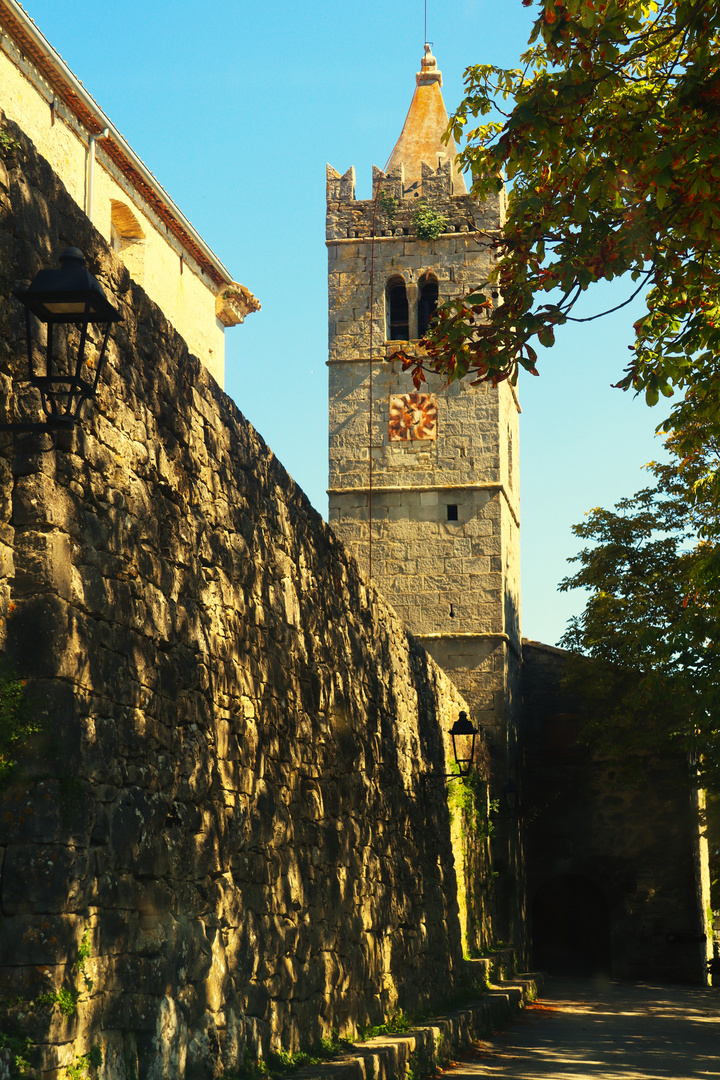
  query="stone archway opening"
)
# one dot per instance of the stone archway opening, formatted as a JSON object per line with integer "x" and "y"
{"x": 571, "y": 927}
{"x": 128, "y": 239}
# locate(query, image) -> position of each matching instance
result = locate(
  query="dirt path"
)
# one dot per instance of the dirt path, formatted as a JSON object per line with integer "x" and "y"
{"x": 606, "y": 1031}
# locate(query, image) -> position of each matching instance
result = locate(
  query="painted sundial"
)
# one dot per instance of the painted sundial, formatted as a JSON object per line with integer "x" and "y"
{"x": 413, "y": 416}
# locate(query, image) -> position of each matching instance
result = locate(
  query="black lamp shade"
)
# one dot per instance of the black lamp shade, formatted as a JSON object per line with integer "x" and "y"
{"x": 463, "y": 734}
{"x": 68, "y": 294}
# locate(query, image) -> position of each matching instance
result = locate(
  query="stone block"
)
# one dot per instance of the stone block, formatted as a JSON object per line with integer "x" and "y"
{"x": 42, "y": 940}
{"x": 46, "y": 878}
{"x": 130, "y": 1011}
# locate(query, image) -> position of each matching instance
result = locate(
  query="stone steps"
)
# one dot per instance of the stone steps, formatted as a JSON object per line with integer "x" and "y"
{"x": 432, "y": 1044}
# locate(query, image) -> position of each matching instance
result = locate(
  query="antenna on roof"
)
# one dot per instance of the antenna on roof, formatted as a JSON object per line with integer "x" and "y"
{"x": 425, "y": 42}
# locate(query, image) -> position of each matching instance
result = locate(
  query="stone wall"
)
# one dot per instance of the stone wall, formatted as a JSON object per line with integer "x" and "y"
{"x": 224, "y": 836}
{"x": 616, "y": 865}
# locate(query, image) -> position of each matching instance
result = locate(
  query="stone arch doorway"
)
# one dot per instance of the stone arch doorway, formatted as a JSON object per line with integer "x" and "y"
{"x": 571, "y": 927}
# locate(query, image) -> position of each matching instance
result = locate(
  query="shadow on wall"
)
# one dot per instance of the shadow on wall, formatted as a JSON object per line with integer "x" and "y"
{"x": 512, "y": 615}
{"x": 571, "y": 927}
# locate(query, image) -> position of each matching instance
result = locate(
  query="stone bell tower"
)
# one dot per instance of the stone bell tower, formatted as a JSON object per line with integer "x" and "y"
{"x": 424, "y": 486}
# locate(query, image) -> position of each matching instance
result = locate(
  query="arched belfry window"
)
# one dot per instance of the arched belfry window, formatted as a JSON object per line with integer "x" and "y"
{"x": 396, "y": 306}
{"x": 427, "y": 303}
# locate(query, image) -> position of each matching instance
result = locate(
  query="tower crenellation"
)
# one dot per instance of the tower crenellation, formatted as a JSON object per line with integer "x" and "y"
{"x": 383, "y": 231}
{"x": 351, "y": 218}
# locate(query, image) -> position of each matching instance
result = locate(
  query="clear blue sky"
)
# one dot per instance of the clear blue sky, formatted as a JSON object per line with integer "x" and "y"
{"x": 236, "y": 107}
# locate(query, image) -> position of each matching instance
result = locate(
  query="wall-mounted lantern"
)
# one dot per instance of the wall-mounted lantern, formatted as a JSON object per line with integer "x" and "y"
{"x": 69, "y": 295}
{"x": 463, "y": 734}
{"x": 511, "y": 795}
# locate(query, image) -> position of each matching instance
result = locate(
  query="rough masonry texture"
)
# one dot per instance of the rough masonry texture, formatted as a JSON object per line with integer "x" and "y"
{"x": 229, "y": 800}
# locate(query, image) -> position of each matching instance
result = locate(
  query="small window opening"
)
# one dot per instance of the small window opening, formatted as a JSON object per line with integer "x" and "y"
{"x": 127, "y": 238}
{"x": 397, "y": 306}
{"x": 427, "y": 304}
{"x": 452, "y": 512}
{"x": 452, "y": 612}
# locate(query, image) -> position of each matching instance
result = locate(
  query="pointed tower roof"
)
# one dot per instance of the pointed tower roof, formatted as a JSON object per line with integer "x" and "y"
{"x": 426, "y": 121}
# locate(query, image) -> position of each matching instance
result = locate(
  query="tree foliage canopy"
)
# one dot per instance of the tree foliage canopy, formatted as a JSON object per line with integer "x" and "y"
{"x": 610, "y": 135}
{"x": 651, "y": 633}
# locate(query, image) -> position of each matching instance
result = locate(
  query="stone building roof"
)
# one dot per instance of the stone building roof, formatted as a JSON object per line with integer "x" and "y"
{"x": 421, "y": 138}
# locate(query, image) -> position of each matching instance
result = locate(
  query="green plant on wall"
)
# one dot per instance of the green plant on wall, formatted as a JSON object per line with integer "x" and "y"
{"x": 469, "y": 800}
{"x": 16, "y": 1011}
{"x": 84, "y": 950}
{"x": 66, "y": 1000}
{"x": 280, "y": 1062}
{"x": 8, "y": 146}
{"x": 16, "y": 723}
{"x": 17, "y": 1049}
{"x": 81, "y": 1069}
{"x": 389, "y": 204}
{"x": 395, "y": 1025}
{"x": 428, "y": 222}
{"x": 472, "y": 827}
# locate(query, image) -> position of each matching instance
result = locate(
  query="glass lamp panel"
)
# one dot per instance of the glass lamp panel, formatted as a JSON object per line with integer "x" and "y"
{"x": 464, "y": 750}
{"x": 65, "y": 307}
